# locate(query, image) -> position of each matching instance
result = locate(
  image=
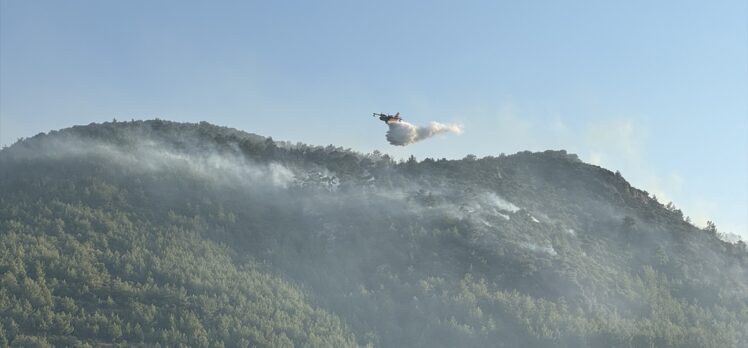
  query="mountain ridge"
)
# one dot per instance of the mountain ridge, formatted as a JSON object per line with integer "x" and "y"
{"x": 532, "y": 249}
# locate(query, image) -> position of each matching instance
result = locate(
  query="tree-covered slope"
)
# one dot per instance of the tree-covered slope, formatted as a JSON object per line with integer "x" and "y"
{"x": 167, "y": 233}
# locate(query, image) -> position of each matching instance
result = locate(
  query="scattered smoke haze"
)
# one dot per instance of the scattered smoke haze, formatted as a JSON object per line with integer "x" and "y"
{"x": 403, "y": 133}
{"x": 224, "y": 168}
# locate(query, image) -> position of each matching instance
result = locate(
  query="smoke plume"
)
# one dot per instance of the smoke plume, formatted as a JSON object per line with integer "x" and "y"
{"x": 403, "y": 133}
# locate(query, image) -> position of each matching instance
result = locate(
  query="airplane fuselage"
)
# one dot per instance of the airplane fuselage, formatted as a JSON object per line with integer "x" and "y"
{"x": 389, "y": 118}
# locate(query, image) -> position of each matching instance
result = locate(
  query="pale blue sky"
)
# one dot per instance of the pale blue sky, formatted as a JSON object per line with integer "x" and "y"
{"x": 655, "y": 89}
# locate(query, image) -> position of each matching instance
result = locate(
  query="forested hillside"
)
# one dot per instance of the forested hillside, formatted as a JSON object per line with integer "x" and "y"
{"x": 157, "y": 233}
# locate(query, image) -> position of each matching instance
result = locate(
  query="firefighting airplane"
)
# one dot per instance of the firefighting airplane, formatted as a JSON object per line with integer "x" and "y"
{"x": 388, "y": 118}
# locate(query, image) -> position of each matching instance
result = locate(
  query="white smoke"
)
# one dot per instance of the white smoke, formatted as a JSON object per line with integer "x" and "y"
{"x": 403, "y": 133}
{"x": 147, "y": 155}
{"x": 492, "y": 199}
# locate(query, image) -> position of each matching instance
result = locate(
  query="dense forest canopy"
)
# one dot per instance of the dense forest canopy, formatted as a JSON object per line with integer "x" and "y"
{"x": 173, "y": 234}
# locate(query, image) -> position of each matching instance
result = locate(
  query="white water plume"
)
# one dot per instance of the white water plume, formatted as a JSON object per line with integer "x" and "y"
{"x": 403, "y": 133}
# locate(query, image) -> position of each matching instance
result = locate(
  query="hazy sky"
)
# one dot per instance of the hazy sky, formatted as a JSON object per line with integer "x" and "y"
{"x": 655, "y": 89}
